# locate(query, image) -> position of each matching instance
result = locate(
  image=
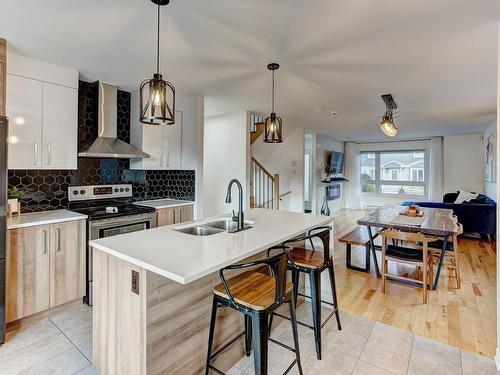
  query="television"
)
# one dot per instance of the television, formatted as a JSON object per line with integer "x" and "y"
{"x": 336, "y": 162}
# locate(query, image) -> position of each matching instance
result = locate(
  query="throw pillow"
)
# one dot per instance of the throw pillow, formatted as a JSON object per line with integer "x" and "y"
{"x": 465, "y": 196}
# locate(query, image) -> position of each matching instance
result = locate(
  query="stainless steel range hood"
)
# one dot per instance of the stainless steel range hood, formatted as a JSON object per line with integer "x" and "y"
{"x": 107, "y": 145}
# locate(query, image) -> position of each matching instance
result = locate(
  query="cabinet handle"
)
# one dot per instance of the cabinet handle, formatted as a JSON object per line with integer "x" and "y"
{"x": 35, "y": 153}
{"x": 173, "y": 215}
{"x": 180, "y": 216}
{"x": 49, "y": 154}
{"x": 44, "y": 241}
{"x": 58, "y": 239}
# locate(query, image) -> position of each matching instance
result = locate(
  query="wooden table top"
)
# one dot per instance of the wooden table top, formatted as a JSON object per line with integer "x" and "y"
{"x": 437, "y": 221}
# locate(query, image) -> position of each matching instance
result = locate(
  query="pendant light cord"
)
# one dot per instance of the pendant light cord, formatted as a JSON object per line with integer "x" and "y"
{"x": 158, "y": 44}
{"x": 273, "y": 92}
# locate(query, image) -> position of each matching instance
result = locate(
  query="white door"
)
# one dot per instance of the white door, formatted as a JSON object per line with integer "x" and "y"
{"x": 173, "y": 143}
{"x": 60, "y": 127}
{"x": 24, "y": 108}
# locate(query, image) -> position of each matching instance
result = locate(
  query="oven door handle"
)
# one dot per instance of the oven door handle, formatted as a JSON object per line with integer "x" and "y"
{"x": 121, "y": 220}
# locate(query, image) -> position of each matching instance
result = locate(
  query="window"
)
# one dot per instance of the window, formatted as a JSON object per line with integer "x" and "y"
{"x": 393, "y": 172}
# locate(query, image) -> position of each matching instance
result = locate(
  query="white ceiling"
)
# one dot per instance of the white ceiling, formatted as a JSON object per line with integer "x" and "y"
{"x": 438, "y": 58}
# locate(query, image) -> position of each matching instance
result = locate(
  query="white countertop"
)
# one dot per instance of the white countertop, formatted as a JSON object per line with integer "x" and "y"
{"x": 163, "y": 203}
{"x": 43, "y": 218}
{"x": 185, "y": 258}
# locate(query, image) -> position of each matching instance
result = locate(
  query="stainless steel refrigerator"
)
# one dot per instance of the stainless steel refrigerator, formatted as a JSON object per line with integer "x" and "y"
{"x": 4, "y": 127}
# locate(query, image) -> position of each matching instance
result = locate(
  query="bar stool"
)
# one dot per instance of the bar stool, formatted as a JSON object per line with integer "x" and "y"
{"x": 313, "y": 263}
{"x": 256, "y": 295}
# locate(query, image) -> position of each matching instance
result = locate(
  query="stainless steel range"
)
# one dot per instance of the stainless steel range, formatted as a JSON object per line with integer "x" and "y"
{"x": 110, "y": 212}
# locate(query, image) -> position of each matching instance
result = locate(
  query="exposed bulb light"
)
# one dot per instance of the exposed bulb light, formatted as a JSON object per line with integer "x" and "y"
{"x": 387, "y": 125}
{"x": 157, "y": 96}
{"x": 273, "y": 124}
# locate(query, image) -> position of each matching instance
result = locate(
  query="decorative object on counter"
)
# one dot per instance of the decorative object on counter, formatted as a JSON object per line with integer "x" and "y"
{"x": 273, "y": 132}
{"x": 387, "y": 125}
{"x": 157, "y": 96}
{"x": 413, "y": 211}
{"x": 325, "y": 209}
{"x": 14, "y": 206}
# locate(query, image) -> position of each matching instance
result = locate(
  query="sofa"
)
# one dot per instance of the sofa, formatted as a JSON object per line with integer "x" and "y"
{"x": 477, "y": 216}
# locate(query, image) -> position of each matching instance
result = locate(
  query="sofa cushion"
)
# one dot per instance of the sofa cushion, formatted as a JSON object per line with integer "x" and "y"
{"x": 465, "y": 196}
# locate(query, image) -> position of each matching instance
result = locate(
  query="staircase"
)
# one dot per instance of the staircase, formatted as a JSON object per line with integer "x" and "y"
{"x": 256, "y": 127}
{"x": 264, "y": 187}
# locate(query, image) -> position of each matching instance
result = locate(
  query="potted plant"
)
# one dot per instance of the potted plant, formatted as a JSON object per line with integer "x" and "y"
{"x": 14, "y": 195}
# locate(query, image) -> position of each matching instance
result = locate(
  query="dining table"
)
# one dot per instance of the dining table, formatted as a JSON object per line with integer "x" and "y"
{"x": 436, "y": 222}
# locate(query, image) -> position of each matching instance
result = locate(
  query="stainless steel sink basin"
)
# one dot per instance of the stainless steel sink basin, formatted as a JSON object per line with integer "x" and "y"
{"x": 200, "y": 230}
{"x": 226, "y": 224}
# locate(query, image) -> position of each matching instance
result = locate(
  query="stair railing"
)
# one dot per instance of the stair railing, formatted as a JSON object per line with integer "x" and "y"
{"x": 264, "y": 187}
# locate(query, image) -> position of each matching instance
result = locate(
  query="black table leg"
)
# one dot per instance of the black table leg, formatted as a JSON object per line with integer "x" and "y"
{"x": 441, "y": 258}
{"x": 372, "y": 245}
{"x": 348, "y": 259}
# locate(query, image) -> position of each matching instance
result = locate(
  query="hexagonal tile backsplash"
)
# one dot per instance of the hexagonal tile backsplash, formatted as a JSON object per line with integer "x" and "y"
{"x": 47, "y": 189}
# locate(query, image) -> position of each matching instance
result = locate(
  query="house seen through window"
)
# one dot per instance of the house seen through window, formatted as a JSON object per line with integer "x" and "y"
{"x": 393, "y": 172}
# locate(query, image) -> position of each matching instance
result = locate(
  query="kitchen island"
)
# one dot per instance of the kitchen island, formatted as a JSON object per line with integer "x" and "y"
{"x": 153, "y": 292}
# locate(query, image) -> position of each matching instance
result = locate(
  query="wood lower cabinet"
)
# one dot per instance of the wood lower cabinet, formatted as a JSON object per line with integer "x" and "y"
{"x": 67, "y": 262}
{"x": 45, "y": 267}
{"x": 174, "y": 215}
{"x": 27, "y": 269}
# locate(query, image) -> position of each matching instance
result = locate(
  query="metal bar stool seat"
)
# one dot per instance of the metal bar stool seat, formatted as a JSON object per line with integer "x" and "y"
{"x": 313, "y": 262}
{"x": 256, "y": 295}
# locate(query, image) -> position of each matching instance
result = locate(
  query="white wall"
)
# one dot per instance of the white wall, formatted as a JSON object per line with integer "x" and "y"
{"x": 497, "y": 356}
{"x": 490, "y": 188}
{"x": 287, "y": 160}
{"x": 225, "y": 156}
{"x": 463, "y": 163}
{"x": 324, "y": 147}
{"x": 192, "y": 143}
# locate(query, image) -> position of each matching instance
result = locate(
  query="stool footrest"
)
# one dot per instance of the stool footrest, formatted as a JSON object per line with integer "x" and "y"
{"x": 227, "y": 345}
{"x": 308, "y": 325}
{"x": 281, "y": 344}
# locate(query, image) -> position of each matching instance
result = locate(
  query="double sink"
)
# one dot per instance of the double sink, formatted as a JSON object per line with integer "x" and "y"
{"x": 214, "y": 227}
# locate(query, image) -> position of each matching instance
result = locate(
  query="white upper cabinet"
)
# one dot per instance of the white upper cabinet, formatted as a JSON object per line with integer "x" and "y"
{"x": 24, "y": 108}
{"x": 60, "y": 127}
{"x": 42, "y": 105}
{"x": 162, "y": 142}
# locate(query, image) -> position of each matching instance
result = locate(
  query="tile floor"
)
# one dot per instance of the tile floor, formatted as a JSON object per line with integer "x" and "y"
{"x": 61, "y": 344}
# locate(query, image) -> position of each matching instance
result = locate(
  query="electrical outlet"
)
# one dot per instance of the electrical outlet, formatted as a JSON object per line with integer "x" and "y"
{"x": 135, "y": 282}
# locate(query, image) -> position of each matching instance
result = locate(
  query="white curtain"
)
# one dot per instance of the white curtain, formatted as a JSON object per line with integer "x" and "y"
{"x": 353, "y": 174}
{"x": 436, "y": 179}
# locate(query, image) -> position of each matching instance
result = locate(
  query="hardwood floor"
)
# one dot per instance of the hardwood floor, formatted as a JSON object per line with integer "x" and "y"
{"x": 464, "y": 317}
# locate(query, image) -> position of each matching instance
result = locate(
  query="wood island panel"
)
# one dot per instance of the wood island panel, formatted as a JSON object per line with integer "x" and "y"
{"x": 164, "y": 329}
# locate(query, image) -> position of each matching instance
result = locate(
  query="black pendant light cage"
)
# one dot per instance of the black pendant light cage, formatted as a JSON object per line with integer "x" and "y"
{"x": 157, "y": 96}
{"x": 273, "y": 124}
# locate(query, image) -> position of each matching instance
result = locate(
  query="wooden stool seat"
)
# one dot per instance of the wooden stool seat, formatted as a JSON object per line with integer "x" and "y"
{"x": 251, "y": 289}
{"x": 307, "y": 258}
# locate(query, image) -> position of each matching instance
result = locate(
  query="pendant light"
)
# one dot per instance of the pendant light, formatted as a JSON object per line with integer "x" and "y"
{"x": 273, "y": 125}
{"x": 157, "y": 96}
{"x": 387, "y": 125}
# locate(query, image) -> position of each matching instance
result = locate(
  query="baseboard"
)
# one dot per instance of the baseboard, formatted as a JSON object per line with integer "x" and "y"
{"x": 497, "y": 359}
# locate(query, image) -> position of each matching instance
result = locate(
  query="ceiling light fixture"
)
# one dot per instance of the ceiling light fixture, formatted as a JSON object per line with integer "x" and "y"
{"x": 387, "y": 125}
{"x": 157, "y": 96}
{"x": 273, "y": 131}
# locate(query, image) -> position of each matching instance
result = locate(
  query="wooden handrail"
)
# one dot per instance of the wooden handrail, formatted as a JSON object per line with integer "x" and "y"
{"x": 269, "y": 174}
{"x": 279, "y": 198}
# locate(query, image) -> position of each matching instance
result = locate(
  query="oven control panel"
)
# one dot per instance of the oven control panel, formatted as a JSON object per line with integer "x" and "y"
{"x": 88, "y": 192}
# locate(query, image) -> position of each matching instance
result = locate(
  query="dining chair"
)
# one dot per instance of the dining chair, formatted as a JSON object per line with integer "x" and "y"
{"x": 418, "y": 256}
{"x": 451, "y": 255}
